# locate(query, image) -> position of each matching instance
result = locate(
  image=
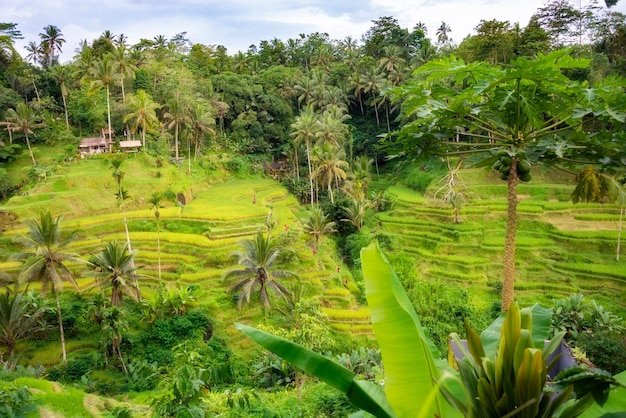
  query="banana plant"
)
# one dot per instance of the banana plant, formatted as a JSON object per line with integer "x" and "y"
{"x": 419, "y": 384}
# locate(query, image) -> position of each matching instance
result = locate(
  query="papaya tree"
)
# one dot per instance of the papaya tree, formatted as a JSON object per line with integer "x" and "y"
{"x": 512, "y": 118}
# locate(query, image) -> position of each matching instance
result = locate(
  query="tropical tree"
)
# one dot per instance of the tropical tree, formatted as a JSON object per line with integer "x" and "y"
{"x": 317, "y": 224}
{"x": 45, "y": 260}
{"x": 176, "y": 117}
{"x": 104, "y": 74}
{"x": 142, "y": 114}
{"x": 201, "y": 122}
{"x": 121, "y": 195}
{"x": 17, "y": 322}
{"x": 356, "y": 212}
{"x": 52, "y": 41}
{"x": 113, "y": 326}
{"x": 373, "y": 81}
{"x": 155, "y": 201}
{"x": 23, "y": 119}
{"x": 35, "y": 53}
{"x": 61, "y": 74}
{"x": 305, "y": 130}
{"x": 442, "y": 33}
{"x": 114, "y": 267}
{"x": 124, "y": 67}
{"x": 330, "y": 168}
{"x": 511, "y": 117}
{"x": 258, "y": 257}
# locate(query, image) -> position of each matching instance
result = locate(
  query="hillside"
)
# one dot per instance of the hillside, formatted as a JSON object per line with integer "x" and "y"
{"x": 561, "y": 248}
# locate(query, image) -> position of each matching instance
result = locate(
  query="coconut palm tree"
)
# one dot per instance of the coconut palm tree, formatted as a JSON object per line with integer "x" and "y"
{"x": 442, "y": 33}
{"x": 23, "y": 119}
{"x": 258, "y": 257}
{"x": 155, "y": 201}
{"x": 52, "y": 38}
{"x": 356, "y": 212}
{"x": 176, "y": 117}
{"x": 16, "y": 322}
{"x": 317, "y": 224}
{"x": 35, "y": 53}
{"x": 124, "y": 67}
{"x": 61, "y": 74}
{"x": 104, "y": 74}
{"x": 304, "y": 130}
{"x": 373, "y": 80}
{"x": 142, "y": 114}
{"x": 330, "y": 167}
{"x": 45, "y": 260}
{"x": 115, "y": 267}
{"x": 201, "y": 122}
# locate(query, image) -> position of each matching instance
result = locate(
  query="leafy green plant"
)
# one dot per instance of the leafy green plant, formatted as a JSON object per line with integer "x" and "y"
{"x": 415, "y": 380}
{"x": 15, "y": 401}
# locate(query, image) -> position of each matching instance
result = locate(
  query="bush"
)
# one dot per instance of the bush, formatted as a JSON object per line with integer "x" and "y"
{"x": 605, "y": 349}
{"x": 15, "y": 401}
{"x": 351, "y": 248}
{"x": 299, "y": 188}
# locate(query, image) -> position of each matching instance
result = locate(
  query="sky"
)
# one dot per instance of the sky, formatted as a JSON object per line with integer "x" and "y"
{"x": 237, "y": 24}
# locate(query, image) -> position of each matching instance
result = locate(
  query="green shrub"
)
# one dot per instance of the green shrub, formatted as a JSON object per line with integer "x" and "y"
{"x": 15, "y": 401}
{"x": 351, "y": 248}
{"x": 606, "y": 350}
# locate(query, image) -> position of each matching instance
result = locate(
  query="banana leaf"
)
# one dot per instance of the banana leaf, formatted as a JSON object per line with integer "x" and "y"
{"x": 362, "y": 394}
{"x": 541, "y": 318}
{"x": 411, "y": 372}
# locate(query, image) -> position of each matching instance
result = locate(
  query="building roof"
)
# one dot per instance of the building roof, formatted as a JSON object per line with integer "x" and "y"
{"x": 130, "y": 144}
{"x": 92, "y": 142}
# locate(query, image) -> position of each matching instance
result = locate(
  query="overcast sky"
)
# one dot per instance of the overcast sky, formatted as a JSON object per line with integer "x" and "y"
{"x": 237, "y": 24}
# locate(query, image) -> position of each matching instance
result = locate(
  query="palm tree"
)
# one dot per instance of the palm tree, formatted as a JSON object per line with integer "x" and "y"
{"x": 317, "y": 224}
{"x": 142, "y": 113}
{"x": 104, "y": 75}
{"x": 304, "y": 130}
{"x": 46, "y": 258}
{"x": 442, "y": 33}
{"x": 155, "y": 201}
{"x": 373, "y": 80}
{"x": 258, "y": 256}
{"x": 23, "y": 119}
{"x": 121, "y": 195}
{"x": 356, "y": 86}
{"x": 176, "y": 118}
{"x": 113, "y": 327}
{"x": 201, "y": 122}
{"x": 16, "y": 322}
{"x": 35, "y": 53}
{"x": 61, "y": 75}
{"x": 124, "y": 67}
{"x": 52, "y": 37}
{"x": 330, "y": 127}
{"x": 356, "y": 212}
{"x": 115, "y": 267}
{"x": 330, "y": 167}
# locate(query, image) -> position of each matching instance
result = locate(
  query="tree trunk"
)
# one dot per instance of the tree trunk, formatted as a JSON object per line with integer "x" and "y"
{"x": 67, "y": 121}
{"x": 308, "y": 157}
{"x": 176, "y": 141}
{"x": 508, "y": 287}
{"x": 619, "y": 234}
{"x": 109, "y": 120}
{"x": 62, "y": 334}
{"x": 159, "y": 245}
{"x": 130, "y": 250}
{"x": 32, "y": 156}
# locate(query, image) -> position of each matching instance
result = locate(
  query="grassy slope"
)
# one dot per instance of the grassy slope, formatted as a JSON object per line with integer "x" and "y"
{"x": 562, "y": 248}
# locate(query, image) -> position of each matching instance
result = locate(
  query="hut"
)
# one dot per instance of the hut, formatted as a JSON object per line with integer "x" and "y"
{"x": 130, "y": 146}
{"x": 97, "y": 145}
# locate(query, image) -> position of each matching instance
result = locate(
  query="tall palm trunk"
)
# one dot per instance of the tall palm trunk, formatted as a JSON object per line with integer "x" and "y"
{"x": 619, "y": 234}
{"x": 308, "y": 157}
{"x": 32, "y": 156}
{"x": 130, "y": 250}
{"x": 508, "y": 287}
{"x": 176, "y": 141}
{"x": 67, "y": 120}
{"x": 62, "y": 334}
{"x": 159, "y": 246}
{"x": 109, "y": 120}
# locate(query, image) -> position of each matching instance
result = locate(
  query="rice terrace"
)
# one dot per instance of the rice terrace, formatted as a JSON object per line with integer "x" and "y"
{"x": 402, "y": 226}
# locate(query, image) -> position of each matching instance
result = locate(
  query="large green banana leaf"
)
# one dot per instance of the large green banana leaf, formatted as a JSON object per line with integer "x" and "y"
{"x": 541, "y": 317}
{"x": 362, "y": 394}
{"x": 411, "y": 372}
{"x": 615, "y": 405}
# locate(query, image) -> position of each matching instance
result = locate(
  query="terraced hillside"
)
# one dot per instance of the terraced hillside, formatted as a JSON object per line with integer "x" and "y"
{"x": 562, "y": 248}
{"x": 197, "y": 239}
